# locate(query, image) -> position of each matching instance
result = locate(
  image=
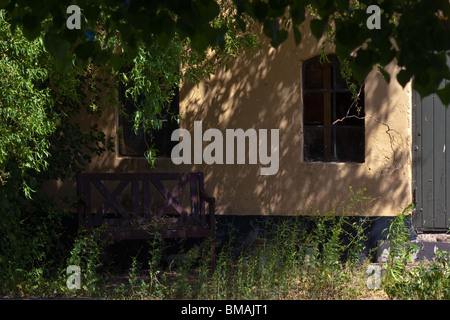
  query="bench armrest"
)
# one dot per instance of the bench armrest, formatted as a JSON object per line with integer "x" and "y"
{"x": 206, "y": 197}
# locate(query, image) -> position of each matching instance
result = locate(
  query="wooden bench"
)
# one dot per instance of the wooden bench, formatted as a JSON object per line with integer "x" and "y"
{"x": 143, "y": 205}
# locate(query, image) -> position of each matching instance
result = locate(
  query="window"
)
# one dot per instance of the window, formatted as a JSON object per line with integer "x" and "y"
{"x": 133, "y": 144}
{"x": 326, "y": 99}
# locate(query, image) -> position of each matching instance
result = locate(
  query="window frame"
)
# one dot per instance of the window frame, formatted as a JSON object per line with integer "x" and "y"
{"x": 174, "y": 108}
{"x": 330, "y": 153}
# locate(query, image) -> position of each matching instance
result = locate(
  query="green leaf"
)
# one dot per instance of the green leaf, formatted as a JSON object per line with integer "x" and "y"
{"x": 86, "y": 49}
{"x": 297, "y": 14}
{"x": 403, "y": 77}
{"x": 343, "y": 51}
{"x": 385, "y": 74}
{"x": 273, "y": 31}
{"x": 318, "y": 27}
{"x": 207, "y": 9}
{"x": 240, "y": 23}
{"x": 32, "y": 26}
{"x": 101, "y": 56}
{"x": 282, "y": 35}
{"x": 444, "y": 95}
{"x": 3, "y": 3}
{"x": 365, "y": 58}
{"x": 342, "y": 4}
{"x": 359, "y": 71}
{"x": 347, "y": 33}
{"x": 260, "y": 10}
{"x": 62, "y": 50}
{"x": 297, "y": 36}
{"x": 271, "y": 28}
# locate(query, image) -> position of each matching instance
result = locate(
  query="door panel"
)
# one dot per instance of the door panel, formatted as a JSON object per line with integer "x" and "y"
{"x": 431, "y": 163}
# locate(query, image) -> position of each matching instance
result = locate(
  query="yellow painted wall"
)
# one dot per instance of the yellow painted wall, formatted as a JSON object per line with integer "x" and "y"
{"x": 263, "y": 90}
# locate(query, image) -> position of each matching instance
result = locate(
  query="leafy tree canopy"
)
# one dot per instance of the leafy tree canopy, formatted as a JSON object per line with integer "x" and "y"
{"x": 41, "y": 92}
{"x": 416, "y": 33}
{"x": 36, "y": 131}
{"x": 149, "y": 39}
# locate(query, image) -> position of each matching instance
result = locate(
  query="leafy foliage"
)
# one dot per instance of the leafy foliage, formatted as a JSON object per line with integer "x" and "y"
{"x": 43, "y": 66}
{"x": 400, "y": 250}
{"x": 36, "y": 134}
{"x": 41, "y": 95}
{"x": 405, "y": 280}
{"x": 139, "y": 22}
{"x": 27, "y": 118}
{"x": 35, "y": 102}
{"x": 429, "y": 280}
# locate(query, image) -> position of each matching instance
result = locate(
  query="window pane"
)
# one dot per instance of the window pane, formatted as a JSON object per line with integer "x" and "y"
{"x": 349, "y": 144}
{"x": 135, "y": 145}
{"x": 313, "y": 148}
{"x": 313, "y": 110}
{"x": 344, "y": 106}
{"x": 161, "y": 138}
{"x": 131, "y": 144}
{"x": 339, "y": 83}
{"x": 313, "y": 75}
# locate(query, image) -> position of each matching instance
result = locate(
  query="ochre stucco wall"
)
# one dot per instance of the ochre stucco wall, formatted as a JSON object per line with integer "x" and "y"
{"x": 262, "y": 90}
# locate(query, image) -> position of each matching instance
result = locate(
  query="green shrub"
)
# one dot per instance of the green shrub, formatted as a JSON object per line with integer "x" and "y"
{"x": 403, "y": 280}
{"x": 86, "y": 253}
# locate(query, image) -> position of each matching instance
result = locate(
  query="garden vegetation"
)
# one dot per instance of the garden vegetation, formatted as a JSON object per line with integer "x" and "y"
{"x": 48, "y": 75}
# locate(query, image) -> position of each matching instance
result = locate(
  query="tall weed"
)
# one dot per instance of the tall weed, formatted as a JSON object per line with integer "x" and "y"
{"x": 403, "y": 280}
{"x": 86, "y": 254}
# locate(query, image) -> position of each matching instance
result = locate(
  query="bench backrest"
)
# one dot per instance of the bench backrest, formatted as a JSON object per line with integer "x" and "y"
{"x": 127, "y": 195}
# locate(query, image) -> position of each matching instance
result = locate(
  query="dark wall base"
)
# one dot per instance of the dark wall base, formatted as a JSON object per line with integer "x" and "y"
{"x": 244, "y": 231}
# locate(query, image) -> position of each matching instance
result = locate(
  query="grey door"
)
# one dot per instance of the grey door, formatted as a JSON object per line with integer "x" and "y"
{"x": 431, "y": 164}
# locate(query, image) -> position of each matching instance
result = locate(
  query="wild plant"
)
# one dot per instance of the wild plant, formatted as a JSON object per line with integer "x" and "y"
{"x": 139, "y": 288}
{"x": 400, "y": 252}
{"x": 86, "y": 254}
{"x": 403, "y": 280}
{"x": 333, "y": 247}
{"x": 156, "y": 276}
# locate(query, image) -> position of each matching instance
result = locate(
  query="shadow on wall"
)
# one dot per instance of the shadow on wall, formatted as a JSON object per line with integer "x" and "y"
{"x": 262, "y": 90}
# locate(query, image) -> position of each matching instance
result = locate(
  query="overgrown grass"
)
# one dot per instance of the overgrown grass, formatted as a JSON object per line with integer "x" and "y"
{"x": 407, "y": 280}
{"x": 296, "y": 263}
{"x": 314, "y": 258}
